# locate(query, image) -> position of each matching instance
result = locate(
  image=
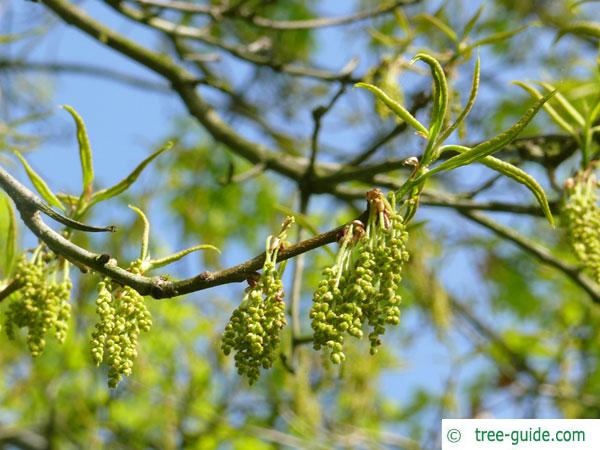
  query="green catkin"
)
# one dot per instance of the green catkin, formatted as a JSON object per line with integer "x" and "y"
{"x": 581, "y": 215}
{"x": 40, "y": 305}
{"x": 390, "y": 256}
{"x": 123, "y": 315}
{"x": 362, "y": 287}
{"x": 254, "y": 329}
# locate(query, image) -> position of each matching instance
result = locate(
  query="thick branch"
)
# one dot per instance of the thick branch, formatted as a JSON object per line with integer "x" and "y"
{"x": 13, "y": 286}
{"x": 157, "y": 287}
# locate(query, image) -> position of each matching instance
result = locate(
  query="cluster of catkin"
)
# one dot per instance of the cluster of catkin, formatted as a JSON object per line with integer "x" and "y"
{"x": 581, "y": 216}
{"x": 361, "y": 288}
{"x": 123, "y": 315}
{"x": 253, "y": 331}
{"x": 41, "y": 305}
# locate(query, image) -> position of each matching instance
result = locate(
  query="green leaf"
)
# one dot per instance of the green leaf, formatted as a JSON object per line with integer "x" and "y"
{"x": 439, "y": 24}
{"x": 396, "y": 107}
{"x": 85, "y": 152}
{"x": 565, "y": 104}
{"x": 488, "y": 147}
{"x": 467, "y": 109}
{"x": 125, "y": 183}
{"x": 580, "y": 28}
{"x": 145, "y": 234}
{"x": 496, "y": 38}
{"x": 39, "y": 184}
{"x": 472, "y": 22}
{"x": 440, "y": 96}
{"x": 595, "y": 112}
{"x": 558, "y": 119}
{"x": 8, "y": 227}
{"x": 156, "y": 263}
{"x": 517, "y": 174}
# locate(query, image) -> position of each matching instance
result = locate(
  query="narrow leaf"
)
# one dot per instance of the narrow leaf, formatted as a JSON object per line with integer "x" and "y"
{"x": 580, "y": 28}
{"x": 472, "y": 22}
{"x": 39, "y": 184}
{"x": 558, "y": 119}
{"x": 517, "y": 174}
{"x": 595, "y": 112}
{"x": 85, "y": 151}
{"x": 145, "y": 233}
{"x": 440, "y": 97}
{"x": 488, "y": 147}
{"x": 105, "y": 194}
{"x": 9, "y": 230}
{"x": 439, "y": 24}
{"x": 156, "y": 263}
{"x": 467, "y": 109}
{"x": 566, "y": 104}
{"x": 495, "y": 38}
{"x": 396, "y": 107}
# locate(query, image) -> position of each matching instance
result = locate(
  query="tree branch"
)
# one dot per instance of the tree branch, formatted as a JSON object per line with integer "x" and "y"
{"x": 283, "y": 25}
{"x": 13, "y": 286}
{"x": 184, "y": 31}
{"x": 83, "y": 69}
{"x": 540, "y": 252}
{"x": 157, "y": 287}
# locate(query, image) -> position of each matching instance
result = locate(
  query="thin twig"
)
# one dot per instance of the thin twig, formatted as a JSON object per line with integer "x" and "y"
{"x": 318, "y": 114}
{"x": 539, "y": 251}
{"x": 457, "y": 201}
{"x": 284, "y": 25}
{"x": 184, "y": 31}
{"x": 296, "y": 291}
{"x": 83, "y": 69}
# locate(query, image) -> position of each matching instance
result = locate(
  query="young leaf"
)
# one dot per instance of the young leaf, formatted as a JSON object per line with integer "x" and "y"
{"x": 39, "y": 184}
{"x": 488, "y": 147}
{"x": 145, "y": 234}
{"x": 558, "y": 119}
{"x": 439, "y": 24}
{"x": 396, "y": 107}
{"x": 105, "y": 194}
{"x": 472, "y": 22}
{"x": 495, "y": 38}
{"x": 465, "y": 112}
{"x": 440, "y": 97}
{"x": 580, "y": 28}
{"x": 156, "y": 263}
{"x": 595, "y": 112}
{"x": 566, "y": 104}
{"x": 85, "y": 151}
{"x": 9, "y": 230}
{"x": 517, "y": 174}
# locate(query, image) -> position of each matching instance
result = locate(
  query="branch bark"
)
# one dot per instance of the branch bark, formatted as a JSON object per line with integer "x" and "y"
{"x": 158, "y": 287}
